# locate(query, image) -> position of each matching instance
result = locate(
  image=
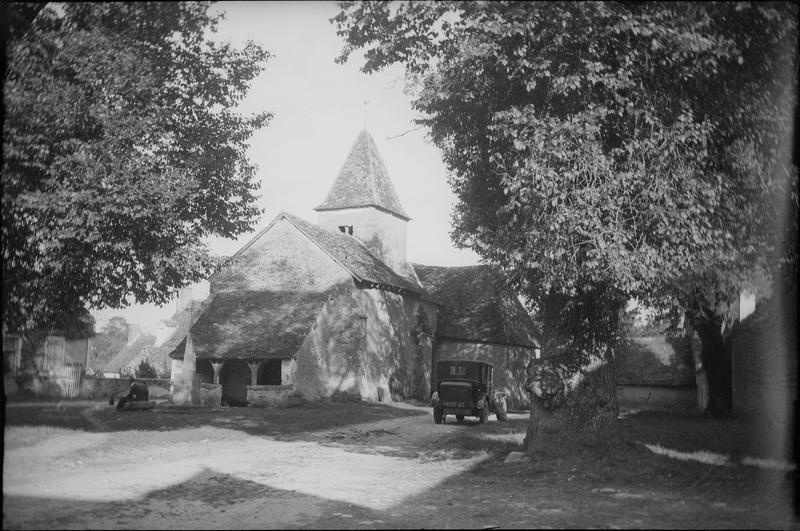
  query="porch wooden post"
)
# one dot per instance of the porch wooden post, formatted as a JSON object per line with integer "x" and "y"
{"x": 217, "y": 366}
{"x": 254, "y": 366}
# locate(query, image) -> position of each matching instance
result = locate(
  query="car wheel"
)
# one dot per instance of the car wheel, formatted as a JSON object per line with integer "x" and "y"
{"x": 459, "y": 417}
{"x": 438, "y": 415}
{"x": 483, "y": 415}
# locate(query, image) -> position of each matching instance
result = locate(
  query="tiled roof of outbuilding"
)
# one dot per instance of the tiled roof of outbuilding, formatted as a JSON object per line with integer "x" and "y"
{"x": 476, "y": 307}
{"x": 363, "y": 181}
{"x": 254, "y": 324}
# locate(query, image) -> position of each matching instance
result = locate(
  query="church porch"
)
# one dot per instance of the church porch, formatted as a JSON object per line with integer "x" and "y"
{"x": 241, "y": 382}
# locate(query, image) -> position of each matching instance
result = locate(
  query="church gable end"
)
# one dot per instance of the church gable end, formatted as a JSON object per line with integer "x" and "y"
{"x": 281, "y": 258}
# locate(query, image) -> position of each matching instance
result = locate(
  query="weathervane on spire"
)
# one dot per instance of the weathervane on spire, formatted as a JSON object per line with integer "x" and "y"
{"x": 366, "y": 102}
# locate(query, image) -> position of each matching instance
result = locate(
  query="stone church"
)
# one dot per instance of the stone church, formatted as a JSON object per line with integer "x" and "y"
{"x": 334, "y": 309}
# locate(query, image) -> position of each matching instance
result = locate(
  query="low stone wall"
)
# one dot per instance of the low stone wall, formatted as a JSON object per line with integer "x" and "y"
{"x": 270, "y": 395}
{"x": 93, "y": 387}
{"x": 10, "y": 386}
{"x": 210, "y": 394}
{"x": 657, "y": 397}
{"x": 38, "y": 386}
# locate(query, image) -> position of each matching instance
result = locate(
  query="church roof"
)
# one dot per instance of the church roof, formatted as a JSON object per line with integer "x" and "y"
{"x": 363, "y": 181}
{"x": 350, "y": 253}
{"x": 476, "y": 307}
{"x": 254, "y": 324}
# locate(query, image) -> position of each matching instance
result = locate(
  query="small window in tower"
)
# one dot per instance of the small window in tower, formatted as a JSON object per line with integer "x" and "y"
{"x": 347, "y": 229}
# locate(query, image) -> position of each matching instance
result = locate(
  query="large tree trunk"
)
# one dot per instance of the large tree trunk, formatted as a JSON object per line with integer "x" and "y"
{"x": 717, "y": 357}
{"x": 571, "y": 407}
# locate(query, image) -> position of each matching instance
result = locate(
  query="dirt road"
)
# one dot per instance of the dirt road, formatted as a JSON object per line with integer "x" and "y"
{"x": 357, "y": 466}
{"x": 212, "y": 477}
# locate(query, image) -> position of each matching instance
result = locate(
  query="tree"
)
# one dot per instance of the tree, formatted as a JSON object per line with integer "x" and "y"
{"x": 122, "y": 150}
{"x": 109, "y": 342}
{"x": 603, "y": 151}
{"x": 145, "y": 370}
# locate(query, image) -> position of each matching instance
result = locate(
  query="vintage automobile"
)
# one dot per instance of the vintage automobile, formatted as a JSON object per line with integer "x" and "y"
{"x": 465, "y": 388}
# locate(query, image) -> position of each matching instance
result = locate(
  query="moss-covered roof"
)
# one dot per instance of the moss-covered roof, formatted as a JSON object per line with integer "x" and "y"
{"x": 476, "y": 307}
{"x": 363, "y": 181}
{"x": 254, "y": 324}
{"x": 351, "y": 254}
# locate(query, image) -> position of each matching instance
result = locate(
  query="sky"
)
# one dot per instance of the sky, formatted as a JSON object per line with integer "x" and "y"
{"x": 319, "y": 109}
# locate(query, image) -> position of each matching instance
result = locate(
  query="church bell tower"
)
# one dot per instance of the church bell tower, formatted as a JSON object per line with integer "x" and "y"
{"x": 363, "y": 203}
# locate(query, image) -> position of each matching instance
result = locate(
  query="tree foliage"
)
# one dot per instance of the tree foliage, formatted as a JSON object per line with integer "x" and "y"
{"x": 109, "y": 342}
{"x": 145, "y": 370}
{"x": 602, "y": 151}
{"x": 122, "y": 150}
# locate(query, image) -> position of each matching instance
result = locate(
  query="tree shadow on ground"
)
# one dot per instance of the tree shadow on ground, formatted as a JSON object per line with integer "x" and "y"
{"x": 208, "y": 500}
{"x": 626, "y": 487}
{"x": 622, "y": 485}
{"x": 689, "y": 432}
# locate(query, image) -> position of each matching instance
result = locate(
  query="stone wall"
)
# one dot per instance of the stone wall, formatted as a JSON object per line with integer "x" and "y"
{"x": 92, "y": 387}
{"x": 764, "y": 375}
{"x": 210, "y": 394}
{"x": 655, "y": 360}
{"x": 329, "y": 359}
{"x": 10, "y": 386}
{"x": 382, "y": 233}
{"x": 364, "y": 343}
{"x": 653, "y": 397}
{"x": 393, "y": 327}
{"x": 510, "y": 364}
{"x": 39, "y": 386}
{"x": 270, "y": 395}
{"x": 282, "y": 259}
{"x": 288, "y": 371}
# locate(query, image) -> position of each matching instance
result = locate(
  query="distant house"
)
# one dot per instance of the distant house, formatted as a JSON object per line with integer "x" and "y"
{"x": 322, "y": 309}
{"x": 53, "y": 365}
{"x": 124, "y": 362}
{"x": 153, "y": 350}
{"x": 54, "y": 352}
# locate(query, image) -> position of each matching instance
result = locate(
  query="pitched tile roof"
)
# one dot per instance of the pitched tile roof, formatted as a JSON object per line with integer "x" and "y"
{"x": 254, "y": 324}
{"x": 351, "y": 254}
{"x": 129, "y": 353}
{"x": 476, "y": 307}
{"x": 363, "y": 181}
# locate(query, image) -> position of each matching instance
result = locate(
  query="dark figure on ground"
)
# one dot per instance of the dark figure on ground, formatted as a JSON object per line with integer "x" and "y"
{"x": 138, "y": 393}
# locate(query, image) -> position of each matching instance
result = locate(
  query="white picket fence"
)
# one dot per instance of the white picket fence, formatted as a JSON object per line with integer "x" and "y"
{"x": 68, "y": 380}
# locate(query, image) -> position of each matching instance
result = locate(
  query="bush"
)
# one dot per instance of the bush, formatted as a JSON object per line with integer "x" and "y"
{"x": 145, "y": 370}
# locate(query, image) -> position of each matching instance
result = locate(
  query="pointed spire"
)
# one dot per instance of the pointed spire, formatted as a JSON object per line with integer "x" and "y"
{"x": 363, "y": 181}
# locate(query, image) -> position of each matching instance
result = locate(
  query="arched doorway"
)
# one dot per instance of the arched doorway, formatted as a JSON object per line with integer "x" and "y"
{"x": 270, "y": 373}
{"x": 235, "y": 377}
{"x": 204, "y": 371}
